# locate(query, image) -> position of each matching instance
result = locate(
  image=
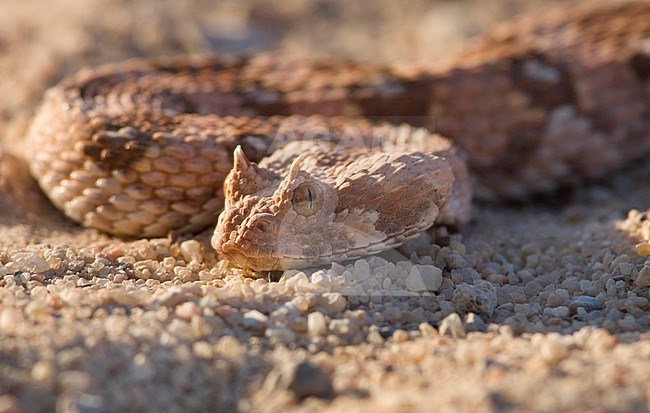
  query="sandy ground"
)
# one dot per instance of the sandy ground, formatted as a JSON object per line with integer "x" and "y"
{"x": 536, "y": 307}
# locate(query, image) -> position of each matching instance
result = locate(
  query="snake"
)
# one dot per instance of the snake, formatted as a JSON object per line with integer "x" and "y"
{"x": 304, "y": 161}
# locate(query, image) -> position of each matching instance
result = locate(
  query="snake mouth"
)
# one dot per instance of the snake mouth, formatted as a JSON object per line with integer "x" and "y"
{"x": 234, "y": 253}
{"x": 239, "y": 257}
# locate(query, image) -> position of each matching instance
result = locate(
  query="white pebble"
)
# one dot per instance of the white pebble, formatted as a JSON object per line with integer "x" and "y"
{"x": 332, "y": 302}
{"x": 191, "y": 250}
{"x": 361, "y": 270}
{"x": 316, "y": 324}
{"x": 553, "y": 350}
{"x": 31, "y": 262}
{"x": 321, "y": 279}
{"x": 424, "y": 278}
{"x": 187, "y": 310}
{"x": 452, "y": 326}
{"x": 255, "y": 320}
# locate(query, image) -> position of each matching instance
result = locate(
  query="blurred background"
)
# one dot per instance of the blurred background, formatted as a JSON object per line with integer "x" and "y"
{"x": 41, "y": 41}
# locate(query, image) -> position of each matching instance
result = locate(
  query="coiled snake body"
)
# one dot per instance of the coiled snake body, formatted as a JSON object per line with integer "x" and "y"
{"x": 317, "y": 163}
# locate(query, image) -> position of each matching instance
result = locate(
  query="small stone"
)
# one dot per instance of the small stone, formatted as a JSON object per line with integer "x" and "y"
{"x": 202, "y": 349}
{"x": 42, "y": 371}
{"x": 187, "y": 310}
{"x": 554, "y": 300}
{"x": 386, "y": 330}
{"x": 305, "y": 379}
{"x": 333, "y": 302}
{"x": 643, "y": 249}
{"x": 455, "y": 261}
{"x": 116, "y": 326}
{"x": 191, "y": 250}
{"x": 559, "y": 312}
{"x": 172, "y": 297}
{"x": 142, "y": 367}
{"x": 553, "y": 350}
{"x": 452, "y": 326}
{"x": 424, "y": 278}
{"x": 361, "y": 270}
{"x": 340, "y": 327}
{"x": 80, "y": 403}
{"x": 400, "y": 336}
{"x": 230, "y": 347}
{"x": 8, "y": 404}
{"x": 321, "y": 279}
{"x": 392, "y": 314}
{"x": 643, "y": 279}
{"x": 427, "y": 330}
{"x": 280, "y": 335}
{"x": 31, "y": 262}
{"x": 586, "y": 302}
{"x": 626, "y": 268}
{"x": 316, "y": 324}
{"x": 121, "y": 296}
{"x": 480, "y": 297}
{"x": 120, "y": 278}
{"x": 628, "y": 323}
{"x": 74, "y": 380}
{"x": 255, "y": 320}
{"x": 475, "y": 323}
{"x": 10, "y": 319}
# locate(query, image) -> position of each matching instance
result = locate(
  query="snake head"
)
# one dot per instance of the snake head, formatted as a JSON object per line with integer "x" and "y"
{"x": 310, "y": 214}
{"x": 273, "y": 222}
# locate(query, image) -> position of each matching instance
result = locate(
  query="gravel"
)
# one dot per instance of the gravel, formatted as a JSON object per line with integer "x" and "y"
{"x": 536, "y": 307}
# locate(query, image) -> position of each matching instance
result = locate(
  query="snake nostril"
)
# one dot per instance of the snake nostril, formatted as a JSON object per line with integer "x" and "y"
{"x": 262, "y": 225}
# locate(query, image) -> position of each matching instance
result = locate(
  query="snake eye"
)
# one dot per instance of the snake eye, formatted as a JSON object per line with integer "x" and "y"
{"x": 307, "y": 199}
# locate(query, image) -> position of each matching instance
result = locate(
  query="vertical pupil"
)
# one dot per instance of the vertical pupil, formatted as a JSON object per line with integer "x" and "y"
{"x": 310, "y": 198}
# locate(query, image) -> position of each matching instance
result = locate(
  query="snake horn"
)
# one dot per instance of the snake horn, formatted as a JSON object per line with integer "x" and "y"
{"x": 240, "y": 161}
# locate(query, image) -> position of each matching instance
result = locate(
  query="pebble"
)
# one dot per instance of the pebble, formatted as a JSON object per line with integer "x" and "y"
{"x": 43, "y": 371}
{"x": 230, "y": 347}
{"x": 79, "y": 403}
{"x": 586, "y": 302}
{"x": 480, "y": 297}
{"x": 332, "y": 302}
{"x": 203, "y": 349}
{"x": 31, "y": 262}
{"x": 427, "y": 330}
{"x": 643, "y": 279}
{"x": 400, "y": 336}
{"x": 559, "y": 312}
{"x": 9, "y": 404}
{"x": 474, "y": 322}
{"x": 386, "y": 330}
{"x": 424, "y": 278}
{"x": 304, "y": 379}
{"x": 187, "y": 310}
{"x": 452, "y": 326}
{"x": 553, "y": 350}
{"x": 192, "y": 250}
{"x": 255, "y": 320}
{"x": 361, "y": 270}
{"x": 643, "y": 249}
{"x": 280, "y": 335}
{"x": 316, "y": 324}
{"x": 74, "y": 380}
